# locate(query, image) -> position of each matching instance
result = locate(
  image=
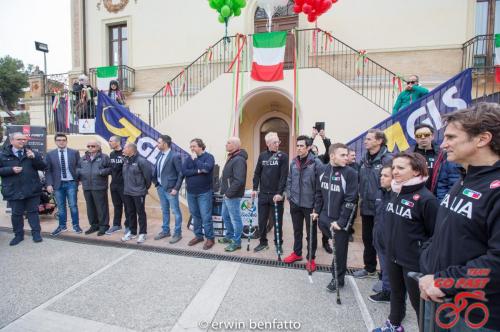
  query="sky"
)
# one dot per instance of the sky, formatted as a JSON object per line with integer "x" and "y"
{"x": 22, "y": 22}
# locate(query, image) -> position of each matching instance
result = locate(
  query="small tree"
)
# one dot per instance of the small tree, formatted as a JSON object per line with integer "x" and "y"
{"x": 22, "y": 119}
{"x": 13, "y": 79}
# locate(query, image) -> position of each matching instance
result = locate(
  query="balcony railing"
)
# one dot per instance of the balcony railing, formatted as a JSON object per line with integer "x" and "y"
{"x": 315, "y": 48}
{"x": 126, "y": 78}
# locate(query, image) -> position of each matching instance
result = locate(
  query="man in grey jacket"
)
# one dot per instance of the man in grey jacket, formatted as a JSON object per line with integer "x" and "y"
{"x": 375, "y": 158}
{"x": 300, "y": 189}
{"x": 232, "y": 187}
{"x": 93, "y": 172}
{"x": 137, "y": 172}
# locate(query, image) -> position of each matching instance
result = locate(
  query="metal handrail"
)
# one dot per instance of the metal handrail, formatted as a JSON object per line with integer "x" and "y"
{"x": 126, "y": 77}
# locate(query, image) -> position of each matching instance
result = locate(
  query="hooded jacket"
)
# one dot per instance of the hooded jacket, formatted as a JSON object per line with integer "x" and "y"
{"x": 431, "y": 158}
{"x": 369, "y": 179}
{"x": 467, "y": 236}
{"x": 234, "y": 175}
{"x": 137, "y": 172}
{"x": 93, "y": 173}
{"x": 411, "y": 216}
{"x": 301, "y": 181}
{"x": 336, "y": 195}
{"x": 22, "y": 185}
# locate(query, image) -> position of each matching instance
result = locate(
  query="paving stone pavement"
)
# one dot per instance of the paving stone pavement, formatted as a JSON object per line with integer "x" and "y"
{"x": 64, "y": 286}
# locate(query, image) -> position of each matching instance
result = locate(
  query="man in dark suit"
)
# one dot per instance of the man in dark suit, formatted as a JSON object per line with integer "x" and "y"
{"x": 167, "y": 178}
{"x": 61, "y": 180}
{"x": 21, "y": 185}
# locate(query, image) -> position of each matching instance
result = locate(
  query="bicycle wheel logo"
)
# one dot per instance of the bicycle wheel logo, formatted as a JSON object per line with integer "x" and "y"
{"x": 448, "y": 314}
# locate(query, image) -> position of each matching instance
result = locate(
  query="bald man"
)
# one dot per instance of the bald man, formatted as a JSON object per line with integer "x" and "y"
{"x": 93, "y": 172}
{"x": 21, "y": 186}
{"x": 233, "y": 181}
{"x": 116, "y": 186}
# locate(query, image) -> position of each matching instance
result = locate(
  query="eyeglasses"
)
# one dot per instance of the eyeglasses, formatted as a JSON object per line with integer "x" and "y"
{"x": 423, "y": 135}
{"x": 91, "y": 146}
{"x": 277, "y": 142}
{"x": 412, "y": 82}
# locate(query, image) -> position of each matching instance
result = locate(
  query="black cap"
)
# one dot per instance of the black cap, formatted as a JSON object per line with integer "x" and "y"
{"x": 319, "y": 126}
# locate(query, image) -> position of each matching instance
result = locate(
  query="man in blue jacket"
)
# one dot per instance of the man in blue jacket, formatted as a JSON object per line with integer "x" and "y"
{"x": 198, "y": 171}
{"x": 21, "y": 185}
{"x": 167, "y": 177}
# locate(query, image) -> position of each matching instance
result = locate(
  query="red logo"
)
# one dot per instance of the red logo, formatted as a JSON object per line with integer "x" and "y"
{"x": 448, "y": 314}
{"x": 416, "y": 197}
{"x": 26, "y": 130}
{"x": 495, "y": 184}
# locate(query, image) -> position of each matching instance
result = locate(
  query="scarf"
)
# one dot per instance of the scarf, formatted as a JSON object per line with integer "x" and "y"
{"x": 396, "y": 187}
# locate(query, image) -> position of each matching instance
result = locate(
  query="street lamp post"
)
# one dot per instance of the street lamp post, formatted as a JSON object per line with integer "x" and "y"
{"x": 42, "y": 47}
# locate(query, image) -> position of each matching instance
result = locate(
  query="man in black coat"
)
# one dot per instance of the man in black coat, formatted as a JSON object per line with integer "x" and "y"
{"x": 21, "y": 185}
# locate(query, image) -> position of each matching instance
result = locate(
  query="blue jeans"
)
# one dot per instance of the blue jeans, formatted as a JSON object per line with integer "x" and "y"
{"x": 68, "y": 190}
{"x": 168, "y": 201}
{"x": 200, "y": 207}
{"x": 232, "y": 219}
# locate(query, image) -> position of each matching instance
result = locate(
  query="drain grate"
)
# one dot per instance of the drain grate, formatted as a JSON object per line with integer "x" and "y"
{"x": 184, "y": 252}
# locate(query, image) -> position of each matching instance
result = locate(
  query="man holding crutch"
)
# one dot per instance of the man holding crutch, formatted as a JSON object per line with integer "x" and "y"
{"x": 270, "y": 175}
{"x": 336, "y": 195}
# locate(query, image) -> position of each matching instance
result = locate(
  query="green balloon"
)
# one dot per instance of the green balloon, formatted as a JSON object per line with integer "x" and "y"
{"x": 229, "y": 3}
{"x": 242, "y": 3}
{"x": 237, "y": 12}
{"x": 218, "y": 4}
{"x": 212, "y": 4}
{"x": 225, "y": 11}
{"x": 221, "y": 19}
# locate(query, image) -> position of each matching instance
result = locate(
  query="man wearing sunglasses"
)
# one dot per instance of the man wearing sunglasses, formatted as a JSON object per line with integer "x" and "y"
{"x": 412, "y": 92}
{"x": 93, "y": 172}
{"x": 442, "y": 174}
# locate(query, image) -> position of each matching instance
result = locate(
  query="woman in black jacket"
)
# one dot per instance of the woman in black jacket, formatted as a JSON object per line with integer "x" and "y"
{"x": 410, "y": 214}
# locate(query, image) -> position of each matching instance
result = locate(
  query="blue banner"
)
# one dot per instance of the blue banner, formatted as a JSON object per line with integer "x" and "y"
{"x": 113, "y": 119}
{"x": 448, "y": 97}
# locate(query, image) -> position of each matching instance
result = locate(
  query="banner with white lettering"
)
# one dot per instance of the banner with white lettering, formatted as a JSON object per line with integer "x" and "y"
{"x": 450, "y": 96}
{"x": 112, "y": 119}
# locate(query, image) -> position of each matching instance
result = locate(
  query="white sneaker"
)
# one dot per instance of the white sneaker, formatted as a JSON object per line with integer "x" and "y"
{"x": 128, "y": 236}
{"x": 142, "y": 238}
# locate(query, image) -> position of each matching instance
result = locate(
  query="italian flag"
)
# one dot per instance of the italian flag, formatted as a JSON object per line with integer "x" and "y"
{"x": 268, "y": 56}
{"x": 106, "y": 75}
{"x": 497, "y": 57}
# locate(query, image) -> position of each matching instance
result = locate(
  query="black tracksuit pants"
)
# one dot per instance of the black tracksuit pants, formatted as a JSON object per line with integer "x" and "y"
{"x": 400, "y": 284}
{"x": 369, "y": 252}
{"x": 30, "y": 205}
{"x": 135, "y": 210}
{"x": 298, "y": 215}
{"x": 118, "y": 199}
{"x": 266, "y": 207}
{"x": 97, "y": 209}
{"x": 341, "y": 247}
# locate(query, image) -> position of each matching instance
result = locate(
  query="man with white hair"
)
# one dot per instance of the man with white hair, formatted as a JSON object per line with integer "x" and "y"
{"x": 21, "y": 186}
{"x": 84, "y": 96}
{"x": 93, "y": 172}
{"x": 233, "y": 188}
{"x": 270, "y": 175}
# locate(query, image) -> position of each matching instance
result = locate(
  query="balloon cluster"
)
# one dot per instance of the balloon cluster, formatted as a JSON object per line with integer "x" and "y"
{"x": 312, "y": 8}
{"x": 227, "y": 8}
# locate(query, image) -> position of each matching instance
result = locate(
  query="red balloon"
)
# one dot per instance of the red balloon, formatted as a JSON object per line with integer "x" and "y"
{"x": 311, "y": 2}
{"x": 312, "y": 18}
{"x": 299, "y": 3}
{"x": 306, "y": 8}
{"x": 326, "y": 5}
{"x": 297, "y": 9}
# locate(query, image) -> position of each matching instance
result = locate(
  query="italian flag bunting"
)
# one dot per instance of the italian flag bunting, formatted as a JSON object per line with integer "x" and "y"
{"x": 106, "y": 75}
{"x": 497, "y": 57}
{"x": 268, "y": 56}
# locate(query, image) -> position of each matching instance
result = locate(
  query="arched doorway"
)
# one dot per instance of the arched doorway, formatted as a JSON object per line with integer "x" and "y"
{"x": 279, "y": 126}
{"x": 283, "y": 20}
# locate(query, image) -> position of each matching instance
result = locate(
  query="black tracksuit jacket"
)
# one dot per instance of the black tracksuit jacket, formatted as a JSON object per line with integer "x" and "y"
{"x": 467, "y": 236}
{"x": 411, "y": 216}
{"x": 271, "y": 172}
{"x": 336, "y": 194}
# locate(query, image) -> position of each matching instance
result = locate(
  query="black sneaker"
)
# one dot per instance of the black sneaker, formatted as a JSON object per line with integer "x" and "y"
{"x": 261, "y": 247}
{"x": 91, "y": 230}
{"x": 332, "y": 286}
{"x": 101, "y": 233}
{"x": 382, "y": 297}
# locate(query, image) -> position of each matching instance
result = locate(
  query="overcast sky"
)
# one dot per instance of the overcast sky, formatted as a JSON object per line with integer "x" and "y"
{"x": 48, "y": 21}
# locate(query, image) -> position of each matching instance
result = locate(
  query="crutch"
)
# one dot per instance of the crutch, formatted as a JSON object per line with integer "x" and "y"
{"x": 421, "y": 309}
{"x": 310, "y": 246}
{"x": 277, "y": 231}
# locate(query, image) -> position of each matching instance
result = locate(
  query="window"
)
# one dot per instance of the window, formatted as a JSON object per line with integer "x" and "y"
{"x": 482, "y": 17}
{"x": 118, "y": 45}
